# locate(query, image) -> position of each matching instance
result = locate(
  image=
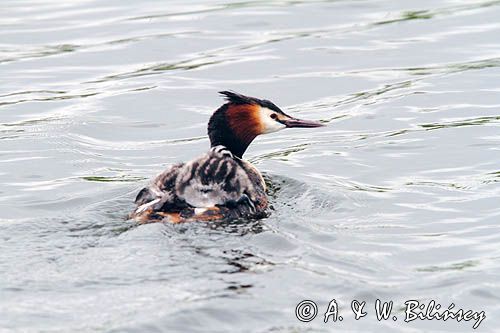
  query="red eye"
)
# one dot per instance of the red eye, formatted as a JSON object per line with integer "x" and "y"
{"x": 274, "y": 116}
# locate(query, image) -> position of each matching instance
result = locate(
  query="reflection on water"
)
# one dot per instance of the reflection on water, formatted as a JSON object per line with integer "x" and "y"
{"x": 396, "y": 198}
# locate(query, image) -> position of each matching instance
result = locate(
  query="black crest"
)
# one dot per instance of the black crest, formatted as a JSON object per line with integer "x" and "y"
{"x": 235, "y": 98}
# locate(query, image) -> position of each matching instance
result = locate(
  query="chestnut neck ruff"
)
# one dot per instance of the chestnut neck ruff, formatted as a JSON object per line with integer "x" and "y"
{"x": 234, "y": 126}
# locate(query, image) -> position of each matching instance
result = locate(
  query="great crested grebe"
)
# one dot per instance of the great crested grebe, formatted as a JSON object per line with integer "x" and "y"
{"x": 218, "y": 185}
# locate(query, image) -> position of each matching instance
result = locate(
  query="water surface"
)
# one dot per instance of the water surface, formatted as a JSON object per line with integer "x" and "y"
{"x": 397, "y": 198}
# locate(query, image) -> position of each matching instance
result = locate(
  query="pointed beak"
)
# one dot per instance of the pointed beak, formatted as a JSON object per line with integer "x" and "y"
{"x": 293, "y": 122}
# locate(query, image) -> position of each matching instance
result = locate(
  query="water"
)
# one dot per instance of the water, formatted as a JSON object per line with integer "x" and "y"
{"x": 396, "y": 199}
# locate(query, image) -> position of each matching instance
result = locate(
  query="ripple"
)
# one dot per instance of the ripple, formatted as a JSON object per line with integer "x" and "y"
{"x": 456, "y": 266}
{"x": 112, "y": 179}
{"x": 464, "y": 122}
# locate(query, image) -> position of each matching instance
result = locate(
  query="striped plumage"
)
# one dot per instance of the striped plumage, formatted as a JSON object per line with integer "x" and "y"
{"x": 219, "y": 184}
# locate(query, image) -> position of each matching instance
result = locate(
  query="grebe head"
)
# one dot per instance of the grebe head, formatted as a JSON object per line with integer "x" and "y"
{"x": 238, "y": 122}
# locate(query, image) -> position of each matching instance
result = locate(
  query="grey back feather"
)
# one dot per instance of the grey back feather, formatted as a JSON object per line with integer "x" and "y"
{"x": 215, "y": 178}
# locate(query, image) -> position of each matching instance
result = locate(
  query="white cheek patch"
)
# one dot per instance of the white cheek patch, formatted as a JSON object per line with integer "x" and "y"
{"x": 269, "y": 125}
